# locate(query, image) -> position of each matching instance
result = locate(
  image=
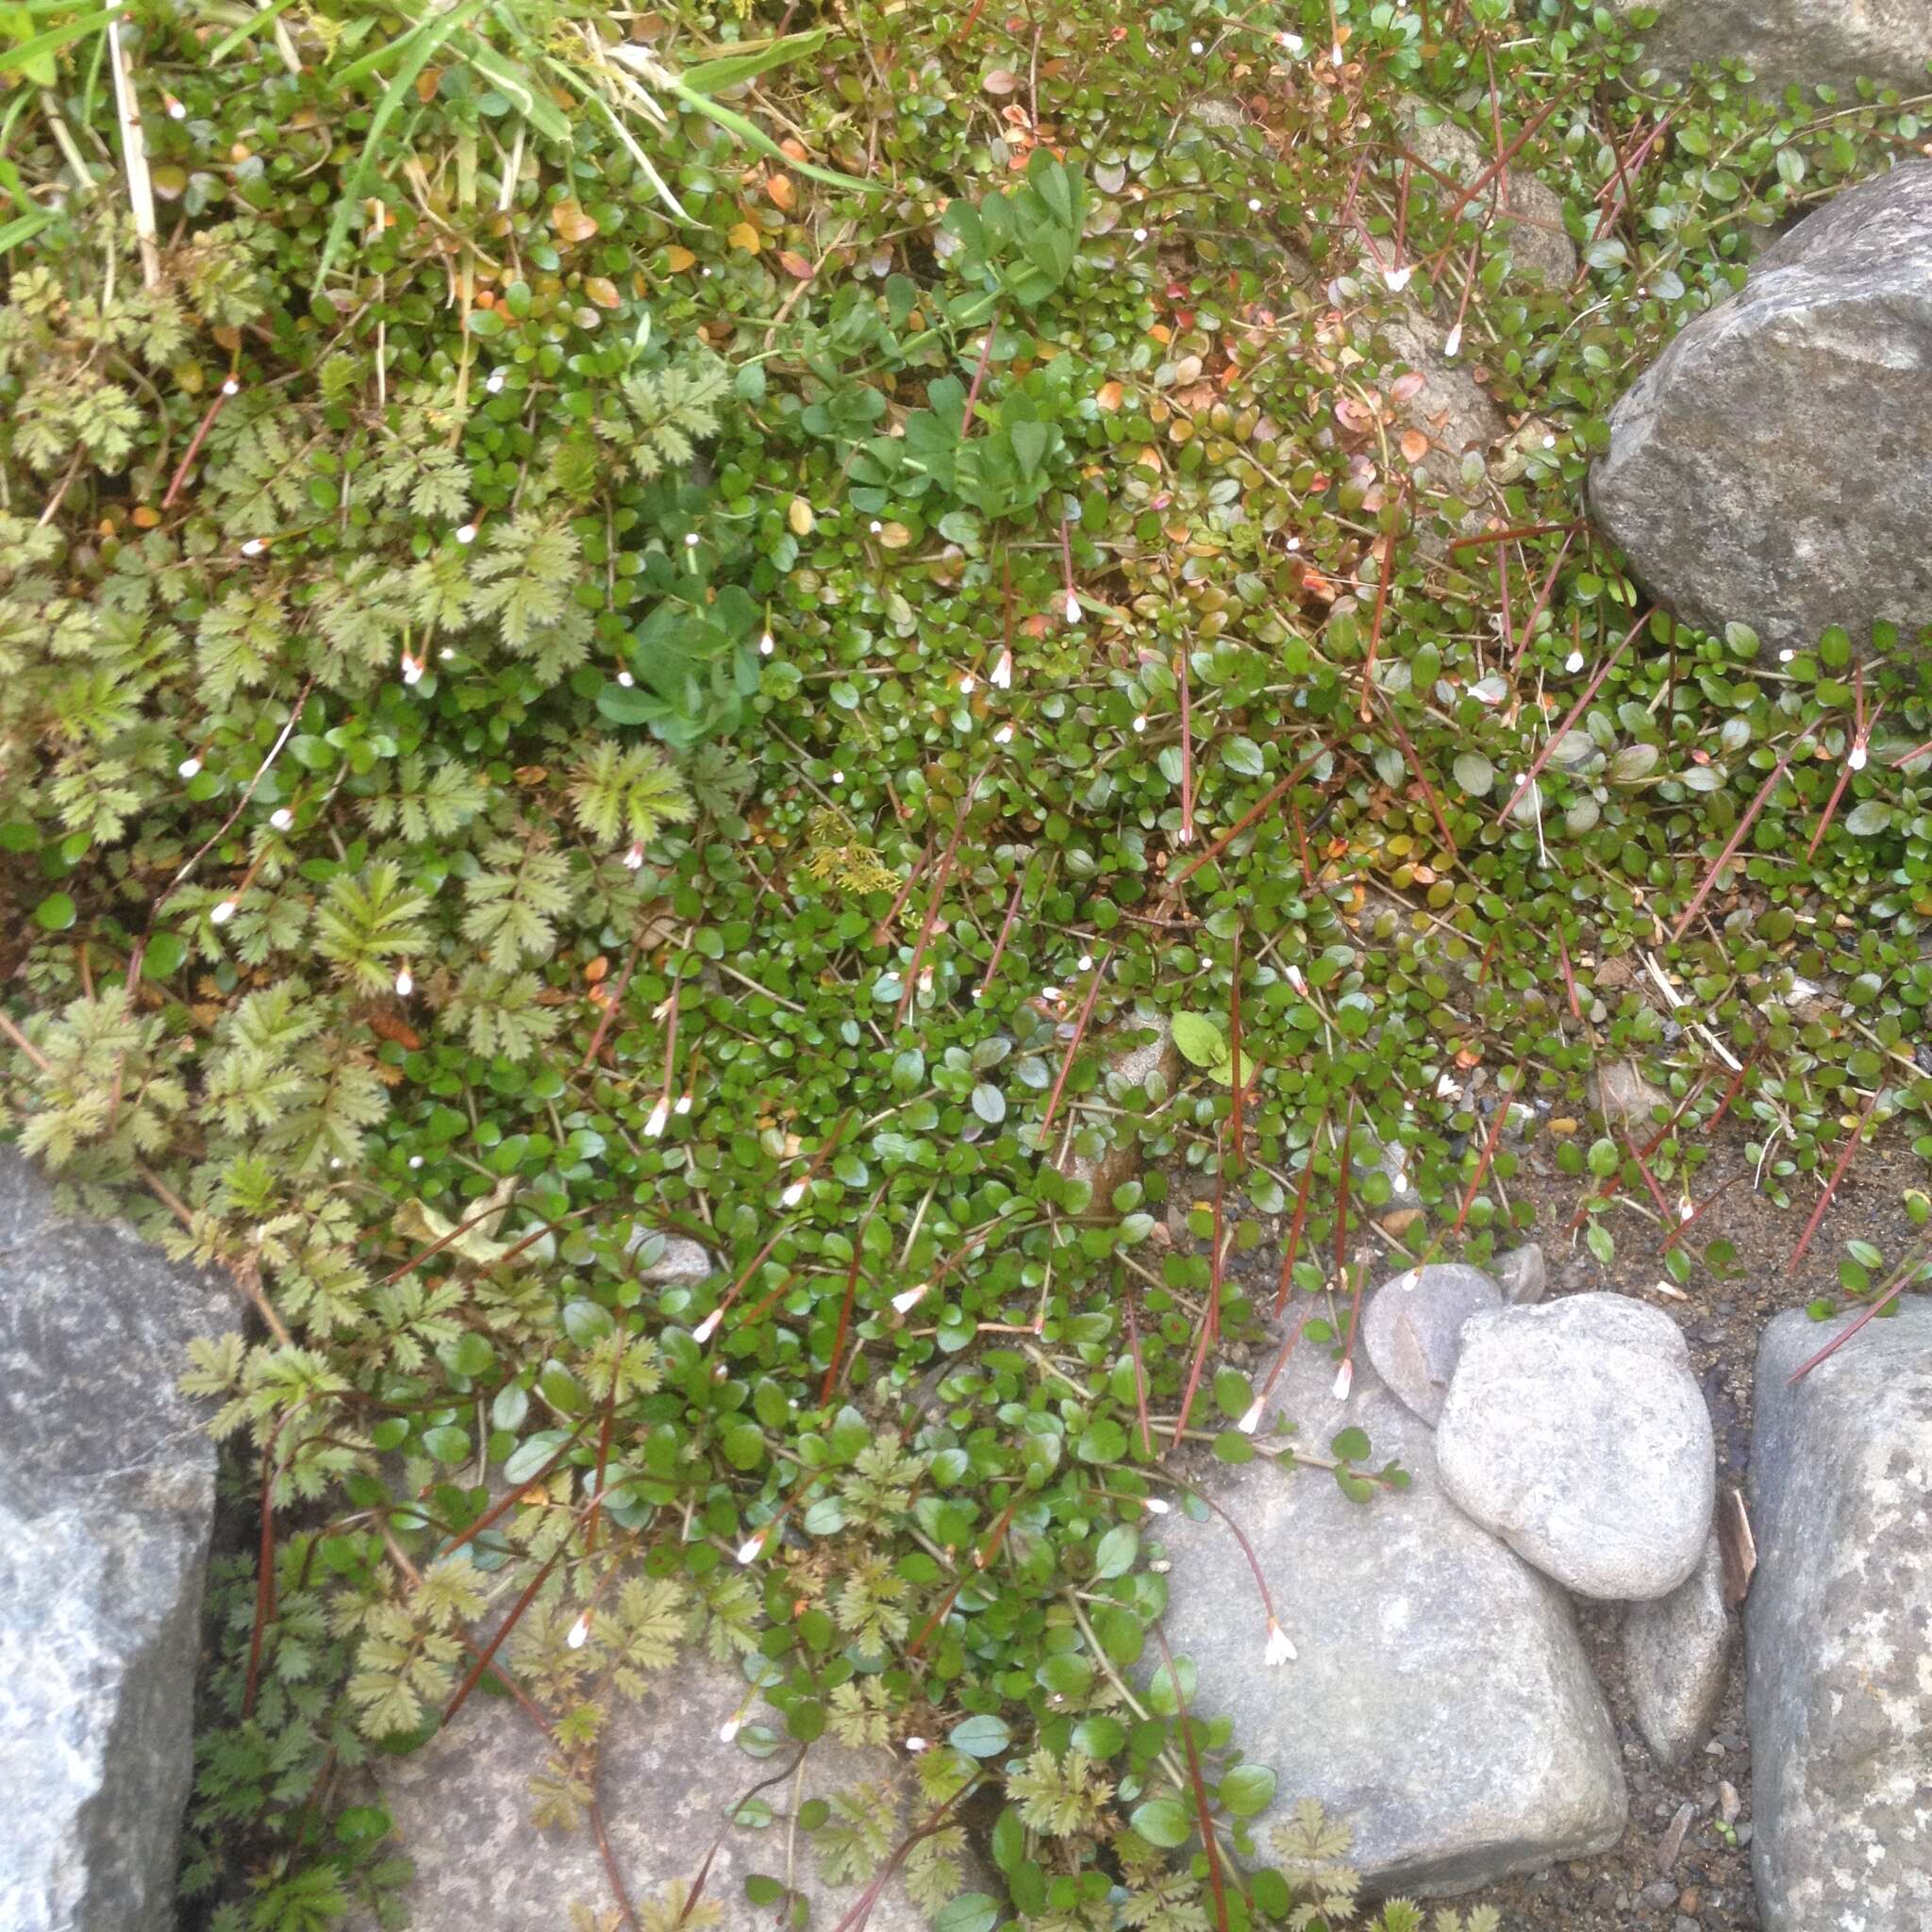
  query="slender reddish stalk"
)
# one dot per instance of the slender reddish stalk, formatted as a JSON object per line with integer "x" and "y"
{"x": 1690, "y": 1220}
{"x": 1211, "y": 1323}
{"x": 978, "y": 378}
{"x": 1053, "y": 1100}
{"x": 1300, "y": 1221}
{"x": 1421, "y": 777}
{"x": 1568, "y": 978}
{"x": 999, "y": 948}
{"x": 1187, "y": 750}
{"x": 227, "y": 389}
{"x": 1576, "y": 710}
{"x": 1140, "y": 1380}
{"x": 1217, "y": 1885}
{"x": 1730, "y": 1093}
{"x": 882, "y": 931}
{"x": 1854, "y": 758}
{"x": 1234, "y": 1032}
{"x": 910, "y": 990}
{"x": 831, "y": 1381}
{"x": 1242, "y": 824}
{"x": 1543, "y": 598}
{"x": 613, "y": 1004}
{"x": 1489, "y": 1153}
{"x": 1731, "y": 845}
{"x": 1382, "y": 577}
{"x": 1657, "y": 1193}
{"x": 1341, "y": 1193}
{"x": 1838, "y": 1174}
{"x": 1851, "y": 1328}
{"x": 1508, "y": 535}
{"x": 495, "y": 1642}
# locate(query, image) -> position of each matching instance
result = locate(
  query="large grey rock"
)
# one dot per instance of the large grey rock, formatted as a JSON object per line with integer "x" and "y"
{"x": 1441, "y": 1704}
{"x": 668, "y": 1783}
{"x": 1412, "y": 1329}
{"x": 1794, "y": 43}
{"x": 1575, "y": 1430}
{"x": 1676, "y": 1649}
{"x": 1772, "y": 466}
{"x": 107, "y": 1504}
{"x": 1838, "y": 1628}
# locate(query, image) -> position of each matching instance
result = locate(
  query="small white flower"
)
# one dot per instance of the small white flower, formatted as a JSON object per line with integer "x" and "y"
{"x": 1251, "y": 1418}
{"x": 447, "y": 654}
{"x": 415, "y": 1160}
{"x": 189, "y": 767}
{"x": 690, "y": 541}
{"x": 661, "y": 1114}
{"x": 915, "y": 1745}
{"x": 966, "y": 686}
{"x": 1549, "y": 442}
{"x": 1196, "y": 47}
{"x": 792, "y": 1195}
{"x": 625, "y": 679}
{"x": 728, "y": 1729}
{"x": 231, "y": 388}
{"x": 1157, "y": 1505}
{"x": 175, "y": 110}
{"x": 904, "y": 1303}
{"x": 1396, "y": 279}
{"x": 683, "y": 1104}
{"x": 1294, "y": 975}
{"x": 1072, "y": 608}
{"x": 466, "y": 533}
{"x": 405, "y": 983}
{"x": 254, "y": 547}
{"x": 413, "y": 668}
{"x": 748, "y": 1551}
{"x": 1051, "y": 992}
{"x": 1086, "y": 961}
{"x": 1140, "y": 234}
{"x": 494, "y": 385}
{"x": 1292, "y": 543}
{"x": 220, "y": 915}
{"x": 979, "y": 992}
{"x": 1004, "y": 735}
{"x": 634, "y": 858}
{"x": 281, "y": 818}
{"x": 1334, "y": 54}
{"x": 1856, "y": 760}
{"x": 335, "y": 1160}
{"x": 580, "y": 1632}
{"x": 1452, "y": 344}
{"x": 1573, "y": 661}
{"x": 875, "y": 526}
{"x": 1002, "y": 678}
{"x": 1140, "y": 722}
{"x": 1294, "y": 43}
{"x": 1345, "y": 1381}
{"x": 1280, "y": 1650}
{"x": 838, "y": 778}
{"x": 767, "y": 644}
{"x": 707, "y": 1327}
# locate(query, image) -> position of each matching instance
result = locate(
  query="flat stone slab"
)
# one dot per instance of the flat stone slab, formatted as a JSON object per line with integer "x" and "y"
{"x": 1794, "y": 43}
{"x": 1838, "y": 1628}
{"x": 462, "y": 1810}
{"x": 1441, "y": 1705}
{"x": 107, "y": 1505}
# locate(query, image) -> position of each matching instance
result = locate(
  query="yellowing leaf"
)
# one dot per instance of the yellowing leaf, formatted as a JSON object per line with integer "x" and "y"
{"x": 745, "y": 236}
{"x": 895, "y": 536}
{"x": 604, "y": 293}
{"x": 801, "y": 517}
{"x": 1110, "y": 396}
{"x": 1415, "y": 445}
{"x": 570, "y": 223}
{"x": 783, "y": 192}
{"x": 678, "y": 259}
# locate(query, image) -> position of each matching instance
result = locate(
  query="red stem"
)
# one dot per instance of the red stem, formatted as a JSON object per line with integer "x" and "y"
{"x": 1731, "y": 845}
{"x": 1576, "y": 710}
{"x": 1844, "y": 1160}
{"x": 1186, "y": 752}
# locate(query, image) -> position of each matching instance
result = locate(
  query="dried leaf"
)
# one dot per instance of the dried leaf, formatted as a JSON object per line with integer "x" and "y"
{"x": 570, "y": 223}
{"x": 1415, "y": 445}
{"x": 1110, "y": 396}
{"x": 678, "y": 259}
{"x": 783, "y": 192}
{"x": 1736, "y": 1547}
{"x": 1002, "y": 80}
{"x": 795, "y": 264}
{"x": 602, "y": 292}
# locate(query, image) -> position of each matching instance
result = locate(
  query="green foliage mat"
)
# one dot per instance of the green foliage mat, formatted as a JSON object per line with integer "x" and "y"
{"x": 605, "y": 642}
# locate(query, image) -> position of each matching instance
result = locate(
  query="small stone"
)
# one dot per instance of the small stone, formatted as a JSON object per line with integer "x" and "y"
{"x": 1575, "y": 1431}
{"x": 1689, "y": 1900}
{"x": 683, "y": 1263}
{"x": 1676, "y": 1649}
{"x": 1658, "y": 1893}
{"x": 1412, "y": 1325}
{"x": 1521, "y": 1275}
{"x": 1728, "y": 1803}
{"x": 1745, "y": 1833}
{"x": 1672, "y": 1840}
{"x": 1621, "y": 1093}
{"x": 1680, "y": 1924}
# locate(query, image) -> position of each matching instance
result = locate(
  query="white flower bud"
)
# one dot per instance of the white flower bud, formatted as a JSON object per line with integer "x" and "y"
{"x": 254, "y": 547}
{"x": 413, "y": 668}
{"x": 634, "y": 858}
{"x": 580, "y": 1632}
{"x": 1140, "y": 234}
{"x": 767, "y": 644}
{"x": 1141, "y": 722}
{"x": 1396, "y": 278}
{"x": 966, "y": 686}
{"x": 446, "y": 654}
{"x": 231, "y": 388}
{"x": 683, "y": 1104}
{"x": 904, "y": 1303}
{"x": 690, "y": 541}
{"x": 792, "y": 1195}
{"x": 1254, "y": 204}
{"x": 1086, "y": 961}
{"x": 1196, "y": 47}
{"x": 875, "y": 526}
{"x": 1002, "y": 676}
{"x": 1157, "y": 1505}
{"x": 281, "y": 818}
{"x": 494, "y": 385}
{"x": 1452, "y": 343}
{"x": 625, "y": 679}
{"x": 748, "y": 1550}
{"x": 189, "y": 767}
{"x": 707, "y": 1327}
{"x": 1072, "y": 608}
{"x": 1294, "y": 43}
{"x": 1573, "y": 662}
{"x": 838, "y": 778}
{"x": 1344, "y": 1380}
{"x": 415, "y": 1160}
{"x": 1279, "y": 1649}
{"x": 661, "y": 1114}
{"x": 175, "y": 110}
{"x": 1251, "y": 1417}
{"x": 466, "y": 533}
{"x": 915, "y": 1745}
{"x": 220, "y": 915}
{"x": 1004, "y": 735}
{"x": 1856, "y": 760}
{"x": 405, "y": 983}
{"x": 728, "y": 1729}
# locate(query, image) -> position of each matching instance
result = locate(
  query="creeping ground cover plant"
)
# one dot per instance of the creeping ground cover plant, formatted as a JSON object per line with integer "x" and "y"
{"x": 635, "y": 648}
